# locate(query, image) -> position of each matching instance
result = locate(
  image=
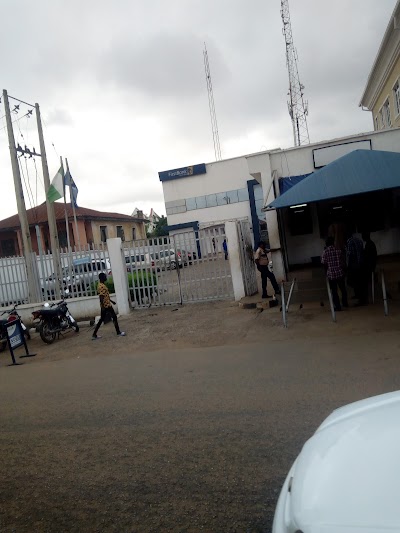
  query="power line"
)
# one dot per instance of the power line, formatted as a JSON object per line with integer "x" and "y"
{"x": 211, "y": 105}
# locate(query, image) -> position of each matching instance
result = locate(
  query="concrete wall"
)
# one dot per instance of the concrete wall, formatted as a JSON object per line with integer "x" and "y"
{"x": 80, "y": 309}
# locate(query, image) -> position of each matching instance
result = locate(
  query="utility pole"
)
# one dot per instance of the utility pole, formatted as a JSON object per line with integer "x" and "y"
{"x": 19, "y": 195}
{"x": 297, "y": 105}
{"x": 55, "y": 245}
{"x": 211, "y": 105}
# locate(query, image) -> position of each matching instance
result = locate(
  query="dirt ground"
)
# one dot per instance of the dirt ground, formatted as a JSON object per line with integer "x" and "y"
{"x": 190, "y": 423}
{"x": 217, "y": 324}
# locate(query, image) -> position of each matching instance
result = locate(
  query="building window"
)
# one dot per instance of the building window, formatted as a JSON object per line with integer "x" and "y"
{"x": 396, "y": 94}
{"x": 376, "y": 123}
{"x": 8, "y": 247}
{"x": 219, "y": 198}
{"x": 134, "y": 234}
{"x": 211, "y": 200}
{"x": 103, "y": 233}
{"x": 120, "y": 233}
{"x": 386, "y": 112}
{"x": 382, "y": 118}
{"x": 243, "y": 195}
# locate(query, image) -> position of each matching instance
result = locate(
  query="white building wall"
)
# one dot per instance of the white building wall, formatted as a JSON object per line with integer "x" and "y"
{"x": 221, "y": 176}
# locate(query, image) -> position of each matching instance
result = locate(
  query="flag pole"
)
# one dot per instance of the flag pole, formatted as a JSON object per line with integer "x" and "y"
{"x": 65, "y": 207}
{"x": 73, "y": 209}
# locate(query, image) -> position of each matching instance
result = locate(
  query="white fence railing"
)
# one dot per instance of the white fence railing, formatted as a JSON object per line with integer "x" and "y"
{"x": 80, "y": 271}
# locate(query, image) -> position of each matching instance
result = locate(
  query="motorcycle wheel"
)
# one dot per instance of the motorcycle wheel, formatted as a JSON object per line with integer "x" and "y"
{"x": 45, "y": 334}
{"x": 3, "y": 345}
{"x": 73, "y": 325}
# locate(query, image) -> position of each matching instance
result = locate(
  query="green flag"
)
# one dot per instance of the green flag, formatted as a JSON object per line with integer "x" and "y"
{"x": 56, "y": 190}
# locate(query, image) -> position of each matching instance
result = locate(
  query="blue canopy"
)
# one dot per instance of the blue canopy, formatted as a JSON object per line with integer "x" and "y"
{"x": 358, "y": 172}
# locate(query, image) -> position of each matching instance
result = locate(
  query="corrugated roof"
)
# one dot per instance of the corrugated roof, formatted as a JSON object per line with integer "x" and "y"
{"x": 359, "y": 172}
{"x": 38, "y": 215}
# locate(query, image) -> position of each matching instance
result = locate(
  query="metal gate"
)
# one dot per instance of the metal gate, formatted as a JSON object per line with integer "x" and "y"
{"x": 247, "y": 257}
{"x": 184, "y": 267}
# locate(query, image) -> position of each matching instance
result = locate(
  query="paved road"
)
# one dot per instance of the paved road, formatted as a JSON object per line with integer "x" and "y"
{"x": 185, "y": 440}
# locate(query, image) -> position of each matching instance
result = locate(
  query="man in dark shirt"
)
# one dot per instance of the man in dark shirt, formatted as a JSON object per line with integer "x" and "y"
{"x": 370, "y": 256}
{"x": 333, "y": 261}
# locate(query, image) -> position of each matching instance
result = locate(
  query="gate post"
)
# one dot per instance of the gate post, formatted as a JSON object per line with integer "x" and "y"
{"x": 119, "y": 275}
{"x": 234, "y": 259}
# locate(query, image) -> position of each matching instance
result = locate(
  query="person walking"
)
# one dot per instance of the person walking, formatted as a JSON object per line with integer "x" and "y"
{"x": 225, "y": 248}
{"x": 262, "y": 261}
{"x": 333, "y": 261}
{"x": 106, "y": 308}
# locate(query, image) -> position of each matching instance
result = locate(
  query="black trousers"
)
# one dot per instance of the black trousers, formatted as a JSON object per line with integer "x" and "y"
{"x": 265, "y": 276}
{"x": 110, "y": 312}
{"x": 334, "y": 284}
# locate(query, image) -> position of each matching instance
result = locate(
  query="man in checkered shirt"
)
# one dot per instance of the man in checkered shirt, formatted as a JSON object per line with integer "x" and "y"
{"x": 334, "y": 262}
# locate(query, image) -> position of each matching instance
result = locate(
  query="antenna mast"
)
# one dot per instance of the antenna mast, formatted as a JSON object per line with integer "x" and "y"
{"x": 211, "y": 104}
{"x": 298, "y": 107}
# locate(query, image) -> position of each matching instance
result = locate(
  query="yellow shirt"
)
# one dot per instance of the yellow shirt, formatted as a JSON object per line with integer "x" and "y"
{"x": 103, "y": 291}
{"x": 262, "y": 256}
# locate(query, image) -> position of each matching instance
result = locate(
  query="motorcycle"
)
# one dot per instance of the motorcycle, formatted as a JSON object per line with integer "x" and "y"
{"x": 54, "y": 320}
{"x": 12, "y": 315}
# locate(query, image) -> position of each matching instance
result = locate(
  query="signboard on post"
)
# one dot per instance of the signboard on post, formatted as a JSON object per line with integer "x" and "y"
{"x": 16, "y": 338}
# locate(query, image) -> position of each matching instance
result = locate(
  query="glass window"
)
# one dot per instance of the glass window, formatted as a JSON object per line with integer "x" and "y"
{"x": 376, "y": 123}
{"x": 191, "y": 204}
{"x": 396, "y": 91}
{"x": 232, "y": 197}
{"x": 211, "y": 200}
{"x": 243, "y": 195}
{"x": 103, "y": 233}
{"x": 383, "y": 118}
{"x": 259, "y": 206}
{"x": 133, "y": 234}
{"x": 258, "y": 192}
{"x": 201, "y": 202}
{"x": 222, "y": 199}
{"x": 386, "y": 108}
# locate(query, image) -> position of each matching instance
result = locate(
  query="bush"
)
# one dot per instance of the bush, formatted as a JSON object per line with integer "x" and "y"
{"x": 137, "y": 279}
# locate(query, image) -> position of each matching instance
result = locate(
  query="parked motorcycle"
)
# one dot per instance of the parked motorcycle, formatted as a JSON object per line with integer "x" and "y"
{"x": 54, "y": 320}
{"x": 12, "y": 315}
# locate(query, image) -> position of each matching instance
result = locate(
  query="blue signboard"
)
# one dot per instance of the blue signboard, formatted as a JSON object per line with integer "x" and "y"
{"x": 183, "y": 172}
{"x": 15, "y": 334}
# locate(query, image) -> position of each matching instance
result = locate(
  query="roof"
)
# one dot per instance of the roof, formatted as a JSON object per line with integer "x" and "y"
{"x": 358, "y": 172}
{"x": 384, "y": 61}
{"x": 38, "y": 215}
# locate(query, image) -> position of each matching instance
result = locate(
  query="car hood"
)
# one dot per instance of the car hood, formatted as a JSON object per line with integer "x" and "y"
{"x": 347, "y": 476}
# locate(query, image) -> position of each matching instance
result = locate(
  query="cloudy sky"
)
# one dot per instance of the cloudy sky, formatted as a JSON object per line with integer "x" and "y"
{"x": 123, "y": 95}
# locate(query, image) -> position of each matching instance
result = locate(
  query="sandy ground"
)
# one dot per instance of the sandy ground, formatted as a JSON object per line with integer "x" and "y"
{"x": 188, "y": 424}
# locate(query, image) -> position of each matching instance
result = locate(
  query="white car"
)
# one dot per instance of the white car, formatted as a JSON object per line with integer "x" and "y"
{"x": 346, "y": 478}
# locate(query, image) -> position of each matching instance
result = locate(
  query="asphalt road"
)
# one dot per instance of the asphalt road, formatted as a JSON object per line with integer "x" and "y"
{"x": 178, "y": 440}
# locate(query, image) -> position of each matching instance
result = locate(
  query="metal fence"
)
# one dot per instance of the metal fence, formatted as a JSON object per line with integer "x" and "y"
{"x": 80, "y": 268}
{"x": 185, "y": 267}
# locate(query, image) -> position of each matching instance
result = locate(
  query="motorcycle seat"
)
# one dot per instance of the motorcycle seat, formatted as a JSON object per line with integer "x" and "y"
{"x": 50, "y": 312}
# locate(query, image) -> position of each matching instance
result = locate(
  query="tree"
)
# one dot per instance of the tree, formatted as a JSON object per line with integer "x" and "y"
{"x": 161, "y": 228}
